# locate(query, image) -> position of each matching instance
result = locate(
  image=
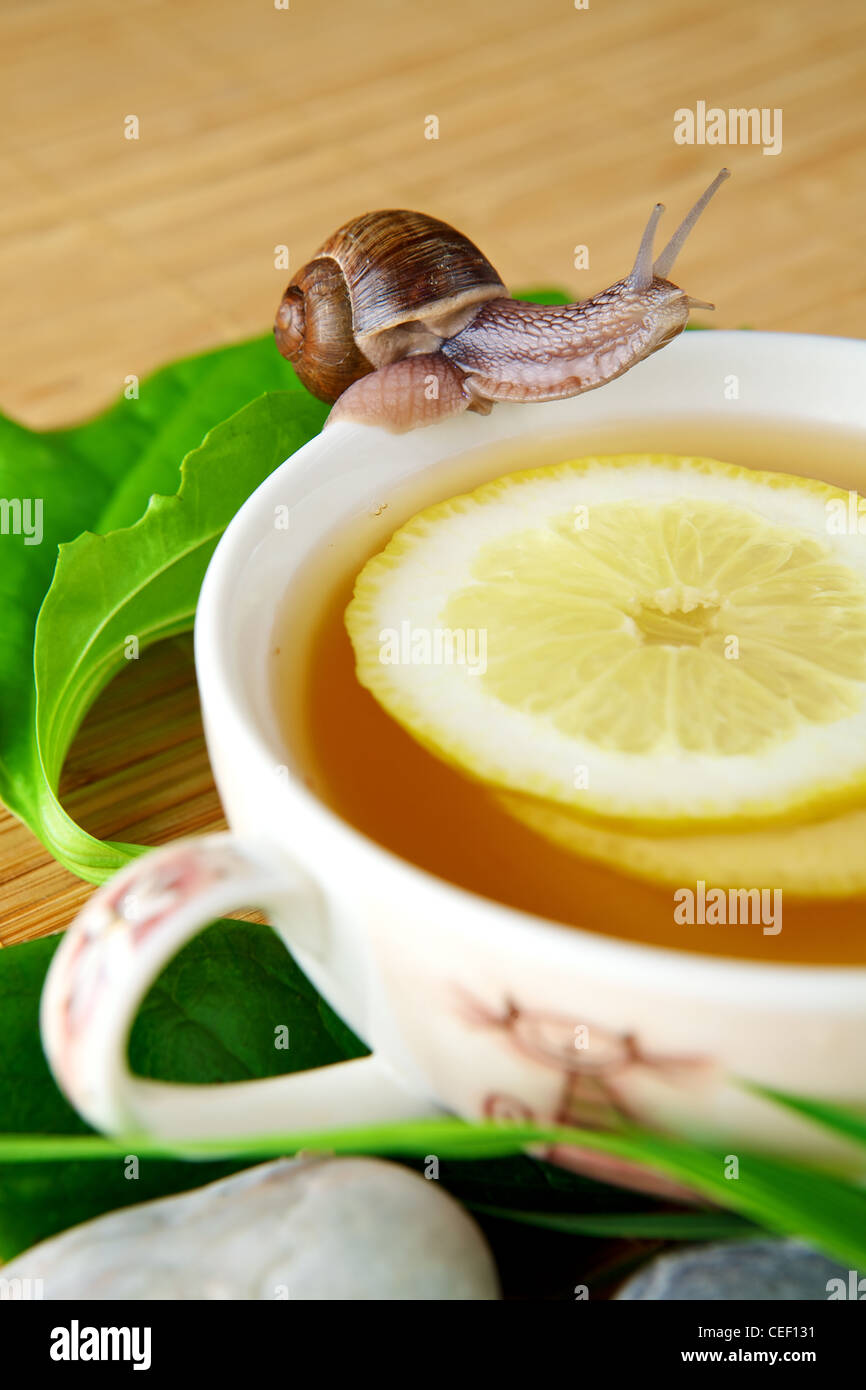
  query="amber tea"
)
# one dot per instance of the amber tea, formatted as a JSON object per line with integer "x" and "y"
{"x": 374, "y": 774}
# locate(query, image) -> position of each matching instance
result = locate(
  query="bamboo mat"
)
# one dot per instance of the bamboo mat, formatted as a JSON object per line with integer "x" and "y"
{"x": 260, "y": 126}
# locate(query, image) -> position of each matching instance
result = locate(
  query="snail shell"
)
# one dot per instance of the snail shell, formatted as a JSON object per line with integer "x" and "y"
{"x": 385, "y": 286}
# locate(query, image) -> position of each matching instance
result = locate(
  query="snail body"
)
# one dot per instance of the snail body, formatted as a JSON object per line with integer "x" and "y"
{"x": 401, "y": 321}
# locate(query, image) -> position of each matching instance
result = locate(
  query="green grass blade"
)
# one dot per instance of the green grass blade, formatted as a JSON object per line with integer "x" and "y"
{"x": 841, "y": 1119}
{"x": 638, "y": 1225}
{"x": 786, "y": 1198}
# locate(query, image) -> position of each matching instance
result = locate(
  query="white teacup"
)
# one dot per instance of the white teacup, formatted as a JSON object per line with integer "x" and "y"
{"x": 467, "y": 1005}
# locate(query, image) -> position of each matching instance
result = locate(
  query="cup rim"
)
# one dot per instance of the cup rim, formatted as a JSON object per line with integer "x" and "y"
{"x": 776, "y": 985}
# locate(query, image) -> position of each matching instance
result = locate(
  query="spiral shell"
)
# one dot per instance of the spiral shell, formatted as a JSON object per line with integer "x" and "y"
{"x": 385, "y": 286}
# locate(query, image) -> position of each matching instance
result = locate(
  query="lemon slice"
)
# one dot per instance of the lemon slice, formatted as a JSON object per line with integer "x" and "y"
{"x": 652, "y": 639}
{"x": 817, "y": 859}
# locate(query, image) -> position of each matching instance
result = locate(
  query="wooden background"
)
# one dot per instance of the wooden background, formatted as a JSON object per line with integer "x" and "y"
{"x": 261, "y": 126}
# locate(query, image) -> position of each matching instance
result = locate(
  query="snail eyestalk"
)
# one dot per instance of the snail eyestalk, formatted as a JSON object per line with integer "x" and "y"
{"x": 665, "y": 261}
{"x": 642, "y": 271}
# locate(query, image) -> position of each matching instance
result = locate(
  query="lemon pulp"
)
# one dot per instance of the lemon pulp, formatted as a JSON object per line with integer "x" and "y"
{"x": 661, "y": 641}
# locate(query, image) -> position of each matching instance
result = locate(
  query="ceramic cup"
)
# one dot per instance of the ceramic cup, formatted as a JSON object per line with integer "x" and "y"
{"x": 466, "y": 1005}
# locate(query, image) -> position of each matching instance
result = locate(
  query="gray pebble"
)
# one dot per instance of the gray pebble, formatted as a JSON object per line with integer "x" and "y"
{"x": 754, "y": 1270}
{"x": 308, "y": 1228}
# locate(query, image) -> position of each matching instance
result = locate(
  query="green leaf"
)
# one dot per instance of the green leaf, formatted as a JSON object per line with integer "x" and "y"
{"x": 182, "y": 403}
{"x": 212, "y": 1015}
{"x": 95, "y": 477}
{"x": 545, "y": 296}
{"x": 849, "y": 1123}
{"x": 39, "y": 1199}
{"x": 194, "y": 1025}
{"x": 143, "y": 581}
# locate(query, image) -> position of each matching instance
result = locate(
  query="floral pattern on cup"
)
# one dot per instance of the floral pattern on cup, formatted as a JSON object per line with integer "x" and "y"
{"x": 119, "y": 918}
{"x": 592, "y": 1092}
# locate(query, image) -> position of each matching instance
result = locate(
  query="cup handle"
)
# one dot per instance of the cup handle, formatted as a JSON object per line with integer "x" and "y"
{"x": 117, "y": 946}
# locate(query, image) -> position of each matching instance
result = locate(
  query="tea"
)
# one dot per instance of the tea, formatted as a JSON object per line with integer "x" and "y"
{"x": 372, "y": 773}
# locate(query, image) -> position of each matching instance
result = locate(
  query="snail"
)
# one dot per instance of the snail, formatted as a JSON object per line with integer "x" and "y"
{"x": 401, "y": 321}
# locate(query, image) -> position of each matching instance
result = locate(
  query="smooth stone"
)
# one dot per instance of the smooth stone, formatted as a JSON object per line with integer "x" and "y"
{"x": 753, "y": 1270}
{"x": 304, "y": 1228}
